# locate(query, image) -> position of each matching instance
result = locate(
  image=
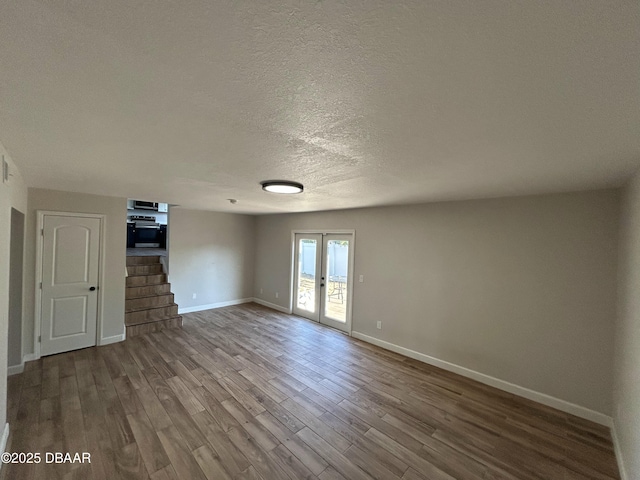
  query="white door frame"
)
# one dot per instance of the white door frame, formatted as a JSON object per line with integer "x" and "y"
{"x": 39, "y": 246}
{"x": 352, "y": 259}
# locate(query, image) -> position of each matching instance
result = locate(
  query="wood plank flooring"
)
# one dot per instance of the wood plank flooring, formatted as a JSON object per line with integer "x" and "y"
{"x": 245, "y": 392}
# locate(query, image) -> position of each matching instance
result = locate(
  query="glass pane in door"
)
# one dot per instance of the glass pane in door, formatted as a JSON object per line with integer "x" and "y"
{"x": 337, "y": 268}
{"x": 307, "y": 275}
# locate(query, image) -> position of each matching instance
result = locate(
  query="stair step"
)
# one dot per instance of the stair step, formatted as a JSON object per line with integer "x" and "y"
{"x": 144, "y": 280}
{"x": 149, "y": 304}
{"x": 151, "y": 269}
{"x": 146, "y": 315}
{"x": 143, "y": 260}
{"x": 150, "y": 301}
{"x": 154, "y": 326}
{"x": 144, "y": 291}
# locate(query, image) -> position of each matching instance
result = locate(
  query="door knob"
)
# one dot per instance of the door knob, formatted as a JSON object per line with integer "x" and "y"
{"x": 91, "y": 289}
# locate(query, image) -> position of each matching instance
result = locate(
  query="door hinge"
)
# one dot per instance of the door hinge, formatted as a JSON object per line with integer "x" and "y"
{"x": 42, "y": 232}
{"x": 39, "y": 338}
{"x": 40, "y": 285}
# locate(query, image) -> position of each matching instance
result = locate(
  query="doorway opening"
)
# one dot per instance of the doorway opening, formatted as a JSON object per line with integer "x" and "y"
{"x": 323, "y": 277}
{"x": 147, "y": 228}
{"x": 16, "y": 259}
{"x": 149, "y": 302}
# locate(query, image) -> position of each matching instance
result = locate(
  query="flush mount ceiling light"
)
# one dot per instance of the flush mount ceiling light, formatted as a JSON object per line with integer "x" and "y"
{"x": 281, "y": 186}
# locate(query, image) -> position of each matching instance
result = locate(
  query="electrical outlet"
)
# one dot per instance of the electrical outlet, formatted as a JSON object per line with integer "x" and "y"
{"x": 193, "y": 296}
{"x": 361, "y": 279}
{"x": 277, "y": 294}
{"x": 379, "y": 325}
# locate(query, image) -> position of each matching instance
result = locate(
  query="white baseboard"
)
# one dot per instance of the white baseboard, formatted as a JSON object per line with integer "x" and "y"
{"x": 543, "y": 398}
{"x": 165, "y": 265}
{"x": 15, "y": 369}
{"x": 271, "y": 305}
{"x": 29, "y": 357}
{"x": 5, "y": 437}
{"x": 113, "y": 339}
{"x": 210, "y": 306}
{"x": 618, "y": 451}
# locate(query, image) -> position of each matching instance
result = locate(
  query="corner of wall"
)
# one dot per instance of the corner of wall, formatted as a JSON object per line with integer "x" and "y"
{"x": 271, "y": 305}
{"x": 626, "y": 365}
{"x": 4, "y": 438}
{"x": 618, "y": 451}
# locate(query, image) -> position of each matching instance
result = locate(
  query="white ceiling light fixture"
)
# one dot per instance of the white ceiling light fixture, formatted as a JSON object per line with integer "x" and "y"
{"x": 282, "y": 186}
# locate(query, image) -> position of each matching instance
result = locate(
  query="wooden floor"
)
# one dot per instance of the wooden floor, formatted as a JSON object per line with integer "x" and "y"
{"x": 247, "y": 393}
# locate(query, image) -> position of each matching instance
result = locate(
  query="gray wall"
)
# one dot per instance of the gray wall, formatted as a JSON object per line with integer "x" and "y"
{"x": 13, "y": 194}
{"x": 115, "y": 210}
{"x": 15, "y": 287}
{"x": 521, "y": 289}
{"x": 210, "y": 254}
{"x": 626, "y": 412}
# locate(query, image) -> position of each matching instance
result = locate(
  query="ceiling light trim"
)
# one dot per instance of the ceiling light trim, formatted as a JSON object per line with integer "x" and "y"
{"x": 286, "y": 187}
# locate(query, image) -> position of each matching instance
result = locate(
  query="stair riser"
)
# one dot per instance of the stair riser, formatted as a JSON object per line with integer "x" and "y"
{"x": 151, "y": 314}
{"x": 151, "y": 302}
{"x": 142, "y": 260}
{"x": 144, "y": 269}
{"x": 143, "y": 280}
{"x": 134, "y": 330}
{"x": 134, "y": 292}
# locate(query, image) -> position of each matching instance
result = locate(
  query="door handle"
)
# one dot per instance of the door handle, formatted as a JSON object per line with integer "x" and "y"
{"x": 322, "y": 284}
{"x": 91, "y": 289}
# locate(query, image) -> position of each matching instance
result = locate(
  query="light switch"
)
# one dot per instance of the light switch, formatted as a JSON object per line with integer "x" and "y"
{"x": 361, "y": 278}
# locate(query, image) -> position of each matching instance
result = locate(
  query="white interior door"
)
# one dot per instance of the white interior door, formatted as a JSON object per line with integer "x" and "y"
{"x": 70, "y": 272}
{"x": 322, "y": 278}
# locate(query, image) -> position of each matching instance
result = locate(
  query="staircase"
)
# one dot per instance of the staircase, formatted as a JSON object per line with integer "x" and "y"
{"x": 149, "y": 305}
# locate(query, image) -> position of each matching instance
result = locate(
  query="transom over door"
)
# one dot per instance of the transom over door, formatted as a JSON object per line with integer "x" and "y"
{"x": 322, "y": 278}
{"x": 70, "y": 271}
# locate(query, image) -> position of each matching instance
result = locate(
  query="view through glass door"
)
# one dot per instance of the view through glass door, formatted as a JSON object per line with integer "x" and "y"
{"x": 322, "y": 278}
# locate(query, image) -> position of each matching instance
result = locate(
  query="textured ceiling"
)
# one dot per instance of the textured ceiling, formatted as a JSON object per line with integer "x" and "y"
{"x": 365, "y": 102}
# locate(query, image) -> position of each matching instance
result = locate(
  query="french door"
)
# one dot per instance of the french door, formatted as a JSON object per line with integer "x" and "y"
{"x": 322, "y": 278}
